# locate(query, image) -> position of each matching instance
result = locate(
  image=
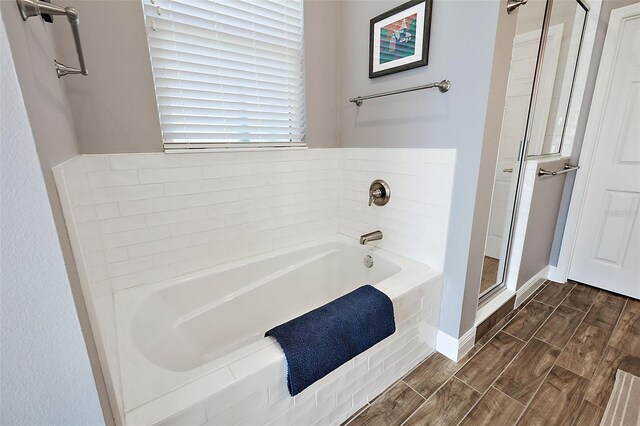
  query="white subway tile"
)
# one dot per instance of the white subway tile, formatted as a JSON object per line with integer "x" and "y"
{"x": 192, "y": 416}
{"x": 116, "y": 254}
{"x": 131, "y": 208}
{"x": 126, "y": 267}
{"x": 83, "y": 214}
{"x": 107, "y": 211}
{"x": 205, "y": 159}
{"x": 176, "y": 216}
{"x": 267, "y": 414}
{"x": 192, "y": 186}
{"x": 112, "y": 178}
{"x": 209, "y": 198}
{"x": 240, "y": 390}
{"x": 95, "y": 163}
{"x": 143, "y": 161}
{"x": 183, "y": 254}
{"x": 158, "y": 246}
{"x": 121, "y": 224}
{"x": 127, "y": 193}
{"x": 169, "y": 175}
{"x": 242, "y": 410}
{"x": 248, "y": 365}
{"x": 194, "y": 226}
{"x": 158, "y": 273}
{"x": 179, "y": 400}
{"x": 137, "y": 236}
{"x": 241, "y": 182}
{"x": 227, "y": 170}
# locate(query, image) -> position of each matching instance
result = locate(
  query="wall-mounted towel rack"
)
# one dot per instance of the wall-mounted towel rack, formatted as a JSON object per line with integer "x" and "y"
{"x": 567, "y": 168}
{"x": 443, "y": 85}
{"x": 29, "y": 8}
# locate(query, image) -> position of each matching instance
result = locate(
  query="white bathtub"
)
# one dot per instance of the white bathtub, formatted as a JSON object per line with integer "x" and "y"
{"x": 194, "y": 346}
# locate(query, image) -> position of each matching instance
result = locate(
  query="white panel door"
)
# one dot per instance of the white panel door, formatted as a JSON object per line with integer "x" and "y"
{"x": 607, "y": 249}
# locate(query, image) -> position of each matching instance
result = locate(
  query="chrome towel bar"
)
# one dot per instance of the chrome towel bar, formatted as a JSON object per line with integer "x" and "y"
{"x": 29, "y": 8}
{"x": 567, "y": 168}
{"x": 443, "y": 85}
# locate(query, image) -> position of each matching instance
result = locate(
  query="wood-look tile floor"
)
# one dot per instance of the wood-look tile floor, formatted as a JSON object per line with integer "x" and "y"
{"x": 552, "y": 363}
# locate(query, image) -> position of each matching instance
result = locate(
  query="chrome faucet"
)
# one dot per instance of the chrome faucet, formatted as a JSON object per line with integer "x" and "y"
{"x": 371, "y": 236}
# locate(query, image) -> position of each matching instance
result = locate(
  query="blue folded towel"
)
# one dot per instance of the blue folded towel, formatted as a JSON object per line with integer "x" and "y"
{"x": 321, "y": 340}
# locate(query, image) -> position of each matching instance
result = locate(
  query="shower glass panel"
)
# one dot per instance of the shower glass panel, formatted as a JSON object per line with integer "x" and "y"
{"x": 536, "y": 107}
{"x": 562, "y": 47}
{"x": 524, "y": 56}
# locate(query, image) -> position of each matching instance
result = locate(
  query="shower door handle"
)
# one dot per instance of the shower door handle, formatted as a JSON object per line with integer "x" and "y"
{"x": 514, "y": 4}
{"x": 29, "y": 8}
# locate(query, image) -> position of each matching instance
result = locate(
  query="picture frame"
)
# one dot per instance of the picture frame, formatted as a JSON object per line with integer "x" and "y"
{"x": 399, "y": 38}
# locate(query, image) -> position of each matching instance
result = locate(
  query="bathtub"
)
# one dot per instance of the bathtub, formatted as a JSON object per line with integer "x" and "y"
{"x": 191, "y": 350}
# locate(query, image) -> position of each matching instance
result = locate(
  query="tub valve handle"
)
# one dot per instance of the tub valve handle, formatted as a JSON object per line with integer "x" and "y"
{"x": 379, "y": 193}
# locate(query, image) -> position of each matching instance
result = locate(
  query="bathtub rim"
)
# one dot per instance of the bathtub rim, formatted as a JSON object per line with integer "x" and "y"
{"x": 185, "y": 388}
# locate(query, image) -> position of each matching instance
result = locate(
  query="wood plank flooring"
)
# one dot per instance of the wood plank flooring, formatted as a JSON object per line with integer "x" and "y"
{"x": 551, "y": 362}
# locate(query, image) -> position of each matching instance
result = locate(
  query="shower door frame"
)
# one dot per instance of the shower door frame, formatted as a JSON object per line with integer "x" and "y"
{"x": 524, "y": 146}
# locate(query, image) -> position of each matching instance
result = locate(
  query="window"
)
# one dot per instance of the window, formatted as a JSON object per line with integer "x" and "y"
{"x": 228, "y": 73}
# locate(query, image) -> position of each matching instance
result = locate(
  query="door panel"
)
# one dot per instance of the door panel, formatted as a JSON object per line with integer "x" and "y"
{"x": 607, "y": 249}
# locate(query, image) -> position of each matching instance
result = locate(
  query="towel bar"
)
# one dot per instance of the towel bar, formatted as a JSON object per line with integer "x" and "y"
{"x": 567, "y": 168}
{"x": 29, "y": 8}
{"x": 443, "y": 85}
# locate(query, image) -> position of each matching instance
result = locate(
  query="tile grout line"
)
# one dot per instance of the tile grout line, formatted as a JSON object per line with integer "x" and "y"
{"x": 494, "y": 381}
{"x": 515, "y": 356}
{"x": 410, "y": 387}
{"x": 518, "y": 309}
{"x": 574, "y": 333}
{"x": 601, "y": 356}
{"x": 528, "y": 404}
{"x": 482, "y": 394}
{"x": 605, "y": 348}
{"x": 525, "y": 406}
{"x": 438, "y": 389}
{"x": 555, "y": 362}
{"x": 508, "y": 396}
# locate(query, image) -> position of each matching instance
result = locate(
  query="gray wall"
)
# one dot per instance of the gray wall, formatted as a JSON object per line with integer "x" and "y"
{"x": 543, "y": 215}
{"x": 114, "y": 107}
{"x": 46, "y": 103}
{"x": 461, "y": 50}
{"x": 322, "y": 72}
{"x": 45, "y": 376}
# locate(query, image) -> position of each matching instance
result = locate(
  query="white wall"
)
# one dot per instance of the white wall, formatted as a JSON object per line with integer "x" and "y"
{"x": 45, "y": 375}
{"x": 45, "y": 99}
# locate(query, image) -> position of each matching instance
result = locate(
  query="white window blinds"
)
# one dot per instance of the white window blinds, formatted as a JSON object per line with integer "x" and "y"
{"x": 228, "y": 73}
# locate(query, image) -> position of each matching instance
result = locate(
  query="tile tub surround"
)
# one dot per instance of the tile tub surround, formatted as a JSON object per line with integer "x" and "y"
{"x": 250, "y": 388}
{"x": 136, "y": 219}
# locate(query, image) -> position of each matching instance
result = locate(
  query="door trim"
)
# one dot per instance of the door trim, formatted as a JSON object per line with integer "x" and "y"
{"x": 587, "y": 153}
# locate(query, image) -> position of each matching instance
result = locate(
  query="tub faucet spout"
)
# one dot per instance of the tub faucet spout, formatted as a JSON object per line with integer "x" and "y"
{"x": 371, "y": 236}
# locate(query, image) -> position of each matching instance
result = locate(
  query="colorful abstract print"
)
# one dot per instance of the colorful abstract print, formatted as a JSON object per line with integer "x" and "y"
{"x": 398, "y": 39}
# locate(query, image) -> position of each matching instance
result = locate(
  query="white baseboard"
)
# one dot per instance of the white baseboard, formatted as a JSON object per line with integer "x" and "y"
{"x": 531, "y": 285}
{"x": 556, "y": 275}
{"x": 453, "y": 348}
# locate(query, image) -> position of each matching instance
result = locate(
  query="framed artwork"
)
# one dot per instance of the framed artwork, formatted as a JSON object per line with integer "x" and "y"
{"x": 399, "y": 38}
